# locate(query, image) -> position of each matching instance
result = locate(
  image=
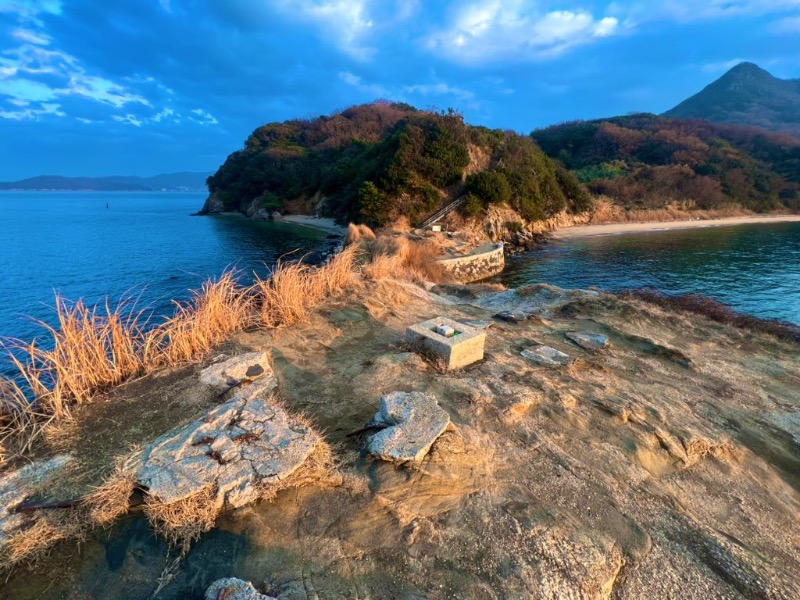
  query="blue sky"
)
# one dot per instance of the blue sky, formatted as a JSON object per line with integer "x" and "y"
{"x": 92, "y": 87}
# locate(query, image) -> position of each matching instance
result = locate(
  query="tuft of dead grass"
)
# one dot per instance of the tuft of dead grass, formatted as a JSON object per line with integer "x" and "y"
{"x": 215, "y": 311}
{"x": 183, "y": 522}
{"x": 293, "y": 290}
{"x": 34, "y": 543}
{"x": 356, "y": 233}
{"x": 112, "y": 498}
{"x": 398, "y": 257}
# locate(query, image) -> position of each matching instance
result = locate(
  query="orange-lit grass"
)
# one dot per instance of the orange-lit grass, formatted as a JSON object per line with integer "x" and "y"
{"x": 293, "y": 290}
{"x": 96, "y": 348}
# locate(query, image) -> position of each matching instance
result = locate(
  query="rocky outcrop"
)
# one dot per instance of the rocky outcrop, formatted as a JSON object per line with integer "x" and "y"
{"x": 412, "y": 422}
{"x": 236, "y": 449}
{"x": 17, "y": 486}
{"x": 213, "y": 205}
{"x": 231, "y": 588}
{"x": 234, "y": 371}
{"x": 545, "y": 355}
{"x": 592, "y": 342}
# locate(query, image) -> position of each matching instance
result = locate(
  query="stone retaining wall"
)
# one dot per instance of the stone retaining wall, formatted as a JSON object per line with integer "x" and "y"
{"x": 484, "y": 262}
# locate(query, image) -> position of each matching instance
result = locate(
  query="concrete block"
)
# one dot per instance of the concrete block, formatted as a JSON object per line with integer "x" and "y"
{"x": 462, "y": 348}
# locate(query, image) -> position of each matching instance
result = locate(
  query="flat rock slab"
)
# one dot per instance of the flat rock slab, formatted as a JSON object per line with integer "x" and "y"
{"x": 16, "y": 486}
{"x": 225, "y": 375}
{"x": 511, "y": 317}
{"x": 413, "y": 421}
{"x": 231, "y": 588}
{"x": 545, "y": 355}
{"x": 593, "y": 342}
{"x": 240, "y": 445}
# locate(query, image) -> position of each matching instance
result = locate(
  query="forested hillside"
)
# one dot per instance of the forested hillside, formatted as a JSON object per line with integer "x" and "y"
{"x": 377, "y": 162}
{"x": 645, "y": 161}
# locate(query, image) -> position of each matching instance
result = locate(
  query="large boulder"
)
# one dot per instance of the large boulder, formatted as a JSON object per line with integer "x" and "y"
{"x": 411, "y": 422}
{"x": 238, "y": 448}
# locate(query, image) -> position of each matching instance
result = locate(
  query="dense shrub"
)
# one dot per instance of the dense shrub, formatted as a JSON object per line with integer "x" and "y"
{"x": 649, "y": 161}
{"x": 380, "y": 161}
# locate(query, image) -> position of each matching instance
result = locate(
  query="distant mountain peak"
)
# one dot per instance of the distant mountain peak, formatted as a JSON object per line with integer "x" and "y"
{"x": 746, "y": 95}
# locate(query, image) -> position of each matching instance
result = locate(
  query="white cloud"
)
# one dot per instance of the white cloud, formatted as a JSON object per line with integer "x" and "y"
{"x": 490, "y": 31}
{"x": 439, "y": 89}
{"x": 203, "y": 117}
{"x": 701, "y": 10}
{"x": 370, "y": 89}
{"x": 719, "y": 67}
{"x": 345, "y": 21}
{"x": 31, "y": 37}
{"x": 29, "y": 10}
{"x": 163, "y": 114}
{"x": 129, "y": 119}
{"x": 787, "y": 25}
{"x": 45, "y": 108}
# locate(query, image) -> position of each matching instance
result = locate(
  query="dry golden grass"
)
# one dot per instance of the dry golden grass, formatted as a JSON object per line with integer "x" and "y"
{"x": 293, "y": 290}
{"x": 183, "y": 522}
{"x": 215, "y": 311}
{"x": 93, "y": 349}
{"x": 398, "y": 257}
{"x": 112, "y": 498}
{"x": 33, "y": 543}
{"x": 356, "y": 233}
{"x": 606, "y": 211}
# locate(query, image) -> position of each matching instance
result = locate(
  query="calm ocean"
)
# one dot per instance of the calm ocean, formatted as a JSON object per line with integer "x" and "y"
{"x": 147, "y": 246}
{"x": 753, "y": 268}
{"x": 144, "y": 245}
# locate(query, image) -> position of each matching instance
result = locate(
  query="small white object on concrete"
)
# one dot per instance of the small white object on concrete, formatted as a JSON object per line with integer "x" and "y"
{"x": 232, "y": 588}
{"x": 462, "y": 348}
{"x": 436, "y": 228}
{"x": 234, "y": 371}
{"x": 413, "y": 421}
{"x": 444, "y": 330}
{"x": 545, "y": 355}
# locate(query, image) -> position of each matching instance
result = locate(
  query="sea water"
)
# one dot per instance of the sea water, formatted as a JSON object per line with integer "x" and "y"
{"x": 755, "y": 268}
{"x": 144, "y": 246}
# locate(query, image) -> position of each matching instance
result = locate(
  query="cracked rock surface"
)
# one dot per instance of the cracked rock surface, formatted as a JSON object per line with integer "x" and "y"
{"x": 231, "y": 588}
{"x": 413, "y": 422}
{"x": 237, "y": 446}
{"x": 225, "y": 375}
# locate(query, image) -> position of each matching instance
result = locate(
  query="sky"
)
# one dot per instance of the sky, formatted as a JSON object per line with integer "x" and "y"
{"x": 141, "y": 87}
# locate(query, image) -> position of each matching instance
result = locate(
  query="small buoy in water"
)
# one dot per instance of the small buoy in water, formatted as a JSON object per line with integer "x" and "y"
{"x": 106, "y": 204}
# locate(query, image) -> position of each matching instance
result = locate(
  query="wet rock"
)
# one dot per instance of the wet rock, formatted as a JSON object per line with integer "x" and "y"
{"x": 593, "y": 342}
{"x": 412, "y": 420}
{"x": 231, "y": 588}
{"x": 237, "y": 370}
{"x": 545, "y": 355}
{"x": 17, "y": 486}
{"x": 239, "y": 446}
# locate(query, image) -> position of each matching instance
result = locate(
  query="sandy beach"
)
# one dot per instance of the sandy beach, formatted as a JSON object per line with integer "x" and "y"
{"x": 580, "y": 231}
{"x": 322, "y": 223}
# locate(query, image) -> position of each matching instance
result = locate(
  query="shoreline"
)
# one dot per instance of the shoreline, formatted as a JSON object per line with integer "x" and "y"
{"x": 607, "y": 229}
{"x": 321, "y": 223}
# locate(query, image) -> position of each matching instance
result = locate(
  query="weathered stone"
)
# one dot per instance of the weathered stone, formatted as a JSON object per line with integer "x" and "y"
{"x": 540, "y": 299}
{"x": 483, "y": 262}
{"x": 231, "y": 588}
{"x": 235, "y": 371}
{"x": 235, "y": 446}
{"x": 511, "y": 317}
{"x": 545, "y": 355}
{"x": 459, "y": 350}
{"x": 475, "y": 324}
{"x": 592, "y": 342}
{"x": 413, "y": 420}
{"x": 17, "y": 486}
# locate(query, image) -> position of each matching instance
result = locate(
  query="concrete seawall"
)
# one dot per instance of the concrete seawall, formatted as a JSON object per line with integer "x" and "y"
{"x": 483, "y": 262}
